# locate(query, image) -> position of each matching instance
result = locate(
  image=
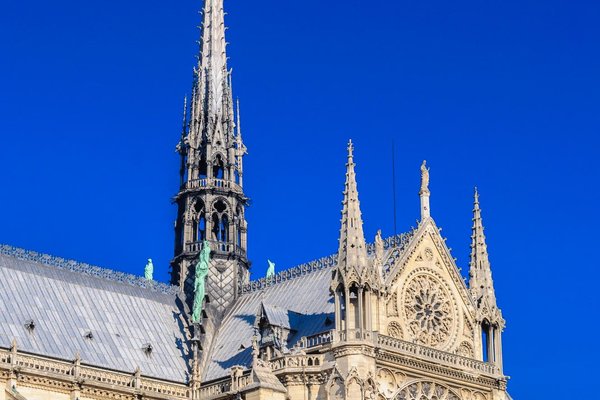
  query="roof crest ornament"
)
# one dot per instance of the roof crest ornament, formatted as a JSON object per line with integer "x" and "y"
{"x": 396, "y": 244}
{"x": 87, "y": 269}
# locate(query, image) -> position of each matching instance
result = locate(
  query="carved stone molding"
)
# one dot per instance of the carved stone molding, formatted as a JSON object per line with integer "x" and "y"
{"x": 426, "y": 390}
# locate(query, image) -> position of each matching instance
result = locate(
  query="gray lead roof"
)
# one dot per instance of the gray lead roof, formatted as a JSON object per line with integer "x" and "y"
{"x": 297, "y": 298}
{"x": 66, "y": 305}
{"x": 68, "y": 300}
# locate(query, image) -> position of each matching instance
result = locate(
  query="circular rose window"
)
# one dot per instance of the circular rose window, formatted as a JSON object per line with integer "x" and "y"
{"x": 429, "y": 312}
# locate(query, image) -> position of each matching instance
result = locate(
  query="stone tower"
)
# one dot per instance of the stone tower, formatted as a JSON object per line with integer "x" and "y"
{"x": 211, "y": 201}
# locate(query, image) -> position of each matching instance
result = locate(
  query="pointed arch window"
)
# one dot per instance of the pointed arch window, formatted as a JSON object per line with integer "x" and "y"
{"x": 220, "y": 223}
{"x": 199, "y": 228}
{"x": 202, "y": 168}
{"x": 219, "y": 168}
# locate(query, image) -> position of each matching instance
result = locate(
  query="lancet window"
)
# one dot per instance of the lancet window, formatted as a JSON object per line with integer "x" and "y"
{"x": 218, "y": 168}
{"x": 220, "y": 222}
{"x": 199, "y": 227}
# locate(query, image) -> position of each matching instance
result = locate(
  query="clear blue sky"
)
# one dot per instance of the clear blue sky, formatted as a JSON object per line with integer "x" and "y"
{"x": 500, "y": 94}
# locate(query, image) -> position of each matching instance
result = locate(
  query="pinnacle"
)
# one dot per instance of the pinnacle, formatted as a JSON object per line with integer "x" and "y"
{"x": 481, "y": 283}
{"x": 352, "y": 252}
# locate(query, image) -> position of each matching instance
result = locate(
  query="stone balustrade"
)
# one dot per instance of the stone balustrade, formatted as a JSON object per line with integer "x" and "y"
{"x": 72, "y": 371}
{"x": 317, "y": 340}
{"x": 222, "y": 386}
{"x": 216, "y": 246}
{"x": 442, "y": 357}
{"x": 297, "y": 361}
{"x": 354, "y": 334}
{"x": 213, "y": 183}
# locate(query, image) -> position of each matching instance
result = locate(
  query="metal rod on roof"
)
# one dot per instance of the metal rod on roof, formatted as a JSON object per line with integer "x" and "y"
{"x": 394, "y": 185}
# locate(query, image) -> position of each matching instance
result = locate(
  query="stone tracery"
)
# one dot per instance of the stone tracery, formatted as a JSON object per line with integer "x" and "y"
{"x": 426, "y": 391}
{"x": 395, "y": 330}
{"x": 428, "y": 309}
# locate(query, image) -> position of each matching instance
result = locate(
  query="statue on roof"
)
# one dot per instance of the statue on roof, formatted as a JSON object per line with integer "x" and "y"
{"x": 149, "y": 270}
{"x": 271, "y": 270}
{"x": 200, "y": 281}
{"x": 378, "y": 247}
{"x": 424, "y": 177}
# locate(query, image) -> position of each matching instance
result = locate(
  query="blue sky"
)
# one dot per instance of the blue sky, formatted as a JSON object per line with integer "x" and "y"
{"x": 502, "y": 95}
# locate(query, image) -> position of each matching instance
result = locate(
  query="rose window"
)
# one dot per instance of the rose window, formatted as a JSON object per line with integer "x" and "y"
{"x": 428, "y": 309}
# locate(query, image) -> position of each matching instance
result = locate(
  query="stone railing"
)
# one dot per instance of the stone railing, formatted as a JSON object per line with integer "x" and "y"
{"x": 316, "y": 340}
{"x": 354, "y": 334}
{"x": 217, "y": 247}
{"x": 442, "y": 357}
{"x": 216, "y": 389}
{"x": 297, "y": 361}
{"x": 213, "y": 183}
{"x": 92, "y": 377}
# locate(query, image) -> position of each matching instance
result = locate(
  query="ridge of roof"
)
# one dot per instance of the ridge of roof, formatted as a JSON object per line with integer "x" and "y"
{"x": 397, "y": 242}
{"x": 87, "y": 269}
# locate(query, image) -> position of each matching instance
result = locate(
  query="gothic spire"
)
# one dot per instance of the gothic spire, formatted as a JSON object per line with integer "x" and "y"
{"x": 212, "y": 103}
{"x": 480, "y": 283}
{"x": 352, "y": 251}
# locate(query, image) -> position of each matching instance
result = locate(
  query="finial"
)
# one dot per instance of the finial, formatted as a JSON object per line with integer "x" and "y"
{"x": 350, "y": 149}
{"x": 424, "y": 192}
{"x": 476, "y": 196}
{"x": 255, "y": 347}
{"x": 424, "y": 178}
{"x": 13, "y": 345}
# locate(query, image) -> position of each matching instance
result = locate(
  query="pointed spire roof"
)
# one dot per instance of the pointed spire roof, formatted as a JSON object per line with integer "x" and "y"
{"x": 353, "y": 250}
{"x": 480, "y": 273}
{"x": 212, "y": 63}
{"x": 212, "y": 101}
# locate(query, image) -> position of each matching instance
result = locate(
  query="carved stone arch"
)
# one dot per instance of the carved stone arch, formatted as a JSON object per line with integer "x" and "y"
{"x": 387, "y": 383}
{"x": 335, "y": 388}
{"x": 219, "y": 165}
{"x": 394, "y": 329}
{"x": 225, "y": 201}
{"x": 426, "y": 390}
{"x": 218, "y": 155}
{"x": 465, "y": 349}
{"x": 354, "y": 387}
{"x": 479, "y": 396}
{"x": 392, "y": 305}
{"x": 370, "y": 389}
{"x": 221, "y": 220}
{"x": 193, "y": 207}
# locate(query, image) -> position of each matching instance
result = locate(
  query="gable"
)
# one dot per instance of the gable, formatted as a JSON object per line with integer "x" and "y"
{"x": 429, "y": 303}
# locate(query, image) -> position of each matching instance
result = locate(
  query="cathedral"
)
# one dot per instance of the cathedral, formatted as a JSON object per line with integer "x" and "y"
{"x": 382, "y": 319}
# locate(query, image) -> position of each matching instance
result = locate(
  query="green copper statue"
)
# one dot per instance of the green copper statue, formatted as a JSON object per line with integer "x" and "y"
{"x": 149, "y": 270}
{"x": 271, "y": 270}
{"x": 200, "y": 280}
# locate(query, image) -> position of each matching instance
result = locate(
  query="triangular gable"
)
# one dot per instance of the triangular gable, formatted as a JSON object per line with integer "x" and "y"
{"x": 429, "y": 302}
{"x": 428, "y": 228}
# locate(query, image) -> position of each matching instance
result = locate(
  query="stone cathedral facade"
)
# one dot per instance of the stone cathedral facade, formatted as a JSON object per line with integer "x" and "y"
{"x": 387, "y": 320}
